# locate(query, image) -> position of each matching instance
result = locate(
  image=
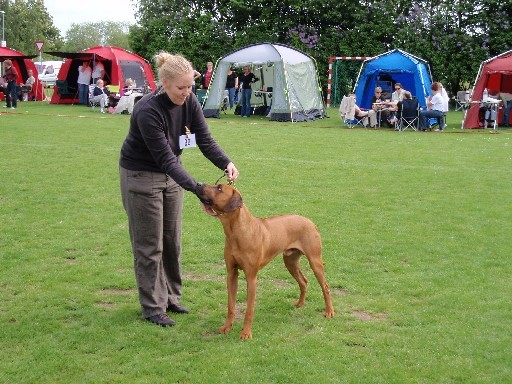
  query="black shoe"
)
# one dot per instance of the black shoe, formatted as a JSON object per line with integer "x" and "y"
{"x": 161, "y": 319}
{"x": 176, "y": 308}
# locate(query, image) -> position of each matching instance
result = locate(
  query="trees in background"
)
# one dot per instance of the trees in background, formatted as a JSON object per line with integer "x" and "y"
{"x": 27, "y": 22}
{"x": 453, "y": 35}
{"x": 86, "y": 35}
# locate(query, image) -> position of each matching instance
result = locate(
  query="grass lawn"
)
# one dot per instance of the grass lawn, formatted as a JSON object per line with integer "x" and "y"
{"x": 416, "y": 229}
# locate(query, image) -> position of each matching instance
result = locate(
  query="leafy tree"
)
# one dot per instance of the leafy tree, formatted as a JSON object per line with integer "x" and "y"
{"x": 454, "y": 35}
{"x": 27, "y": 22}
{"x": 86, "y": 35}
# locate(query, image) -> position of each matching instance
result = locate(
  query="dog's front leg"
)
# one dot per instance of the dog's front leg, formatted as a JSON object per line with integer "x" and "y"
{"x": 232, "y": 284}
{"x": 252, "y": 282}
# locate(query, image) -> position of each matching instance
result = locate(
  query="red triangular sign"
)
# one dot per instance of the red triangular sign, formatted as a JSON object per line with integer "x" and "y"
{"x": 39, "y": 45}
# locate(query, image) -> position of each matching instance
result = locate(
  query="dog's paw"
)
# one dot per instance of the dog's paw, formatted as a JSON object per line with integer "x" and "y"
{"x": 225, "y": 329}
{"x": 245, "y": 335}
{"x": 329, "y": 312}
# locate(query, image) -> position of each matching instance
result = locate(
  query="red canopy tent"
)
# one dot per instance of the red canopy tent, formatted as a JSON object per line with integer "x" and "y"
{"x": 495, "y": 74}
{"x": 22, "y": 64}
{"x": 119, "y": 64}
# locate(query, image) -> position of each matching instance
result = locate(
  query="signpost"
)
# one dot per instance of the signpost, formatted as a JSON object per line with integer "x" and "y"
{"x": 39, "y": 45}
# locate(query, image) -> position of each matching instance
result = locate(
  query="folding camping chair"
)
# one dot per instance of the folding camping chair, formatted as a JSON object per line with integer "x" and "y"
{"x": 348, "y": 113}
{"x": 461, "y": 100}
{"x": 224, "y": 105}
{"x": 408, "y": 114}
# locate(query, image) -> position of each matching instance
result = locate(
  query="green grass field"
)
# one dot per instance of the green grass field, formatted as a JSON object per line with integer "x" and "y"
{"x": 416, "y": 229}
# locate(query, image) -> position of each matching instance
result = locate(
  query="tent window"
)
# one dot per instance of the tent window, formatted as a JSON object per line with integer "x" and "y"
{"x": 134, "y": 70}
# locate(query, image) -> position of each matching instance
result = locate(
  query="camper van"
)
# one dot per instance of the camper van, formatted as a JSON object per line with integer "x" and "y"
{"x": 48, "y": 71}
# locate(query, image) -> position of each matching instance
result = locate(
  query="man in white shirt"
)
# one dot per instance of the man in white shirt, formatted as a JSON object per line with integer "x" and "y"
{"x": 84, "y": 79}
{"x": 98, "y": 71}
{"x": 436, "y": 106}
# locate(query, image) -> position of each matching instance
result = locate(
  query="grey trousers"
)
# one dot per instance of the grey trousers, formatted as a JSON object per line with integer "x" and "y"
{"x": 154, "y": 205}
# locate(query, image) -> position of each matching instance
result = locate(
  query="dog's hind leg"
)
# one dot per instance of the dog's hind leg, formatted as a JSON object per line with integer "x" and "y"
{"x": 318, "y": 268}
{"x": 291, "y": 259}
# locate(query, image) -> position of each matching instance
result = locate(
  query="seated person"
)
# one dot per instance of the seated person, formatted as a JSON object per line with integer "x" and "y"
{"x": 379, "y": 105}
{"x": 129, "y": 85}
{"x": 29, "y": 90}
{"x": 128, "y": 97}
{"x": 100, "y": 95}
{"x": 398, "y": 95}
{"x": 366, "y": 116}
{"x": 435, "y": 105}
{"x": 3, "y": 85}
{"x": 408, "y": 107}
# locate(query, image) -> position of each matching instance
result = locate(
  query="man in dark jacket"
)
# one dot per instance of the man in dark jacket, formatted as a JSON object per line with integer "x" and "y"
{"x": 11, "y": 76}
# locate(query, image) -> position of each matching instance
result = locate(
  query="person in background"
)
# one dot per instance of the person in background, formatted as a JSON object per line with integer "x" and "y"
{"x": 84, "y": 79}
{"x": 11, "y": 77}
{"x": 436, "y": 105}
{"x": 128, "y": 97}
{"x": 446, "y": 98}
{"x": 231, "y": 86}
{"x": 29, "y": 90}
{"x": 379, "y": 106}
{"x": 369, "y": 116}
{"x": 153, "y": 180}
{"x": 398, "y": 95}
{"x": 246, "y": 80}
{"x": 197, "y": 75}
{"x": 129, "y": 85}
{"x": 100, "y": 95}
{"x": 98, "y": 71}
{"x": 206, "y": 76}
{"x": 506, "y": 99}
{"x": 408, "y": 108}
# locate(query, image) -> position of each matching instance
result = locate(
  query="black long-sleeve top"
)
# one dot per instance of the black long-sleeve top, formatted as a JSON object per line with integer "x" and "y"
{"x": 152, "y": 143}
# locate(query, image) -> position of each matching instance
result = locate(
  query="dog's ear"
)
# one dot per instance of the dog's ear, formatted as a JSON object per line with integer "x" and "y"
{"x": 235, "y": 202}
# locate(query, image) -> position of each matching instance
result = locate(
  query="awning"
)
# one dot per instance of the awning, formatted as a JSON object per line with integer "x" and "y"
{"x": 77, "y": 55}
{"x": 14, "y": 57}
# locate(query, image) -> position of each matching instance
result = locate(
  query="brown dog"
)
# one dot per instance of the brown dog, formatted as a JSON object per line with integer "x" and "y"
{"x": 251, "y": 243}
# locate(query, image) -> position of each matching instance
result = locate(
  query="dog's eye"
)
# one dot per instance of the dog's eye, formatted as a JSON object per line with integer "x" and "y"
{"x": 219, "y": 187}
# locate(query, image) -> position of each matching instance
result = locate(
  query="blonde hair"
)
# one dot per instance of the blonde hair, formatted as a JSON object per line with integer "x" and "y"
{"x": 378, "y": 89}
{"x": 169, "y": 66}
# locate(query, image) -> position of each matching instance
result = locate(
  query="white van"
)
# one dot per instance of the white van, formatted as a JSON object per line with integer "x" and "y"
{"x": 48, "y": 71}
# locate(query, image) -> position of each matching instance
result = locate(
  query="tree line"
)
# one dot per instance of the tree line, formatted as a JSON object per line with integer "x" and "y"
{"x": 454, "y": 36}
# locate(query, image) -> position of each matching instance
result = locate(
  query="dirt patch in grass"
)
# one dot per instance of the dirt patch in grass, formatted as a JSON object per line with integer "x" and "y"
{"x": 119, "y": 291}
{"x": 366, "y": 316}
{"x": 198, "y": 277}
{"x": 340, "y": 291}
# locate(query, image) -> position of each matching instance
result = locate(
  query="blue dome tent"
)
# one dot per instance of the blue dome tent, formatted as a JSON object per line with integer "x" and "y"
{"x": 392, "y": 67}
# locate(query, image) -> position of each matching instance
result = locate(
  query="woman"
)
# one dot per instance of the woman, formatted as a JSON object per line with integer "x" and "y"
{"x": 246, "y": 80}
{"x": 153, "y": 181}
{"x": 231, "y": 86}
{"x": 128, "y": 96}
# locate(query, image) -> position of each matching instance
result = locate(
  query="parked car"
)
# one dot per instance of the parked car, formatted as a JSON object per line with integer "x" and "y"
{"x": 48, "y": 71}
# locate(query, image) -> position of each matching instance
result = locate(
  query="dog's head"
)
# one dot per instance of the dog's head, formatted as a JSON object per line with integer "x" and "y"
{"x": 219, "y": 199}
